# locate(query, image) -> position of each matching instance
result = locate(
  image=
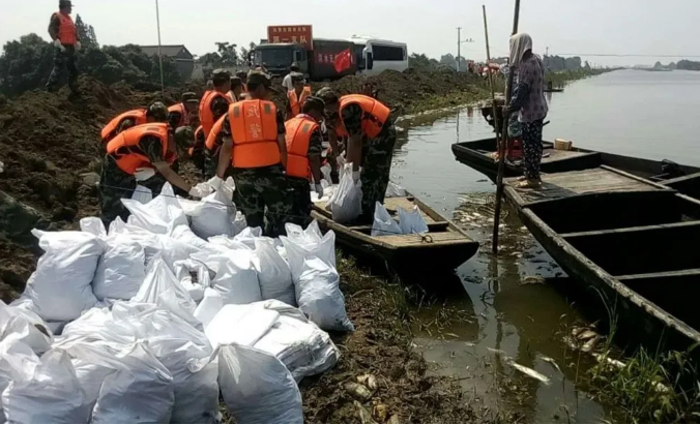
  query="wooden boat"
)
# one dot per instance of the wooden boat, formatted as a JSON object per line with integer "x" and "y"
{"x": 444, "y": 247}
{"x": 479, "y": 155}
{"x": 629, "y": 242}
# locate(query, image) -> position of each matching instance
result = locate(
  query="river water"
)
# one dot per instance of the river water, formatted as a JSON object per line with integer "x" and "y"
{"x": 501, "y": 310}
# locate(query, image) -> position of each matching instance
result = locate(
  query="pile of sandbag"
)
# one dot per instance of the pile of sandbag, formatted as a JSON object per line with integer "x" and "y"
{"x": 148, "y": 321}
{"x": 410, "y": 222}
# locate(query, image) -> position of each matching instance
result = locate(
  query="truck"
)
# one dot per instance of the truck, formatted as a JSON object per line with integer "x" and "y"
{"x": 318, "y": 59}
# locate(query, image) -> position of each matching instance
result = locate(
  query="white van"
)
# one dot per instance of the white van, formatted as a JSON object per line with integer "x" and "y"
{"x": 375, "y": 55}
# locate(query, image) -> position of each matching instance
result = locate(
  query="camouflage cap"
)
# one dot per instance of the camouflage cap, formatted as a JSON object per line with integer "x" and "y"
{"x": 220, "y": 76}
{"x": 184, "y": 137}
{"x": 158, "y": 111}
{"x": 257, "y": 78}
{"x": 190, "y": 97}
{"x": 64, "y": 3}
{"x": 327, "y": 95}
{"x": 297, "y": 76}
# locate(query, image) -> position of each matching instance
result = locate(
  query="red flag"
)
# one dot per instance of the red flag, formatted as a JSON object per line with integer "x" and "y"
{"x": 343, "y": 61}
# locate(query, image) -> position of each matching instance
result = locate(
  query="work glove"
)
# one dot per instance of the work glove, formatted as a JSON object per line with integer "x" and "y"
{"x": 216, "y": 182}
{"x": 319, "y": 190}
{"x": 143, "y": 174}
{"x": 58, "y": 44}
{"x": 78, "y": 46}
{"x": 197, "y": 192}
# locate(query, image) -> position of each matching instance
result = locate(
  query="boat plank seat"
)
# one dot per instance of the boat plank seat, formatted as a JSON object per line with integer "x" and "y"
{"x": 435, "y": 226}
{"x": 641, "y": 250}
{"x": 580, "y": 182}
{"x": 444, "y": 238}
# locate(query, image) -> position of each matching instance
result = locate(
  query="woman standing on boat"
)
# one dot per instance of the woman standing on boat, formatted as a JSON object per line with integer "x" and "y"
{"x": 529, "y": 101}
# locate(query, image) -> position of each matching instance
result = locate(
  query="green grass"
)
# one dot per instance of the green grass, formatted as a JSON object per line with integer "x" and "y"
{"x": 562, "y": 78}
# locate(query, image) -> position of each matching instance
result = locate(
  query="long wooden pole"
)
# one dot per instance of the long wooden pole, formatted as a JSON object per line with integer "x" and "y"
{"x": 502, "y": 143}
{"x": 493, "y": 89}
{"x": 160, "y": 55}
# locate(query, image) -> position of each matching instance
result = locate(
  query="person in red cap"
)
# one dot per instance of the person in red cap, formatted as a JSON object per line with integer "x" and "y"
{"x": 65, "y": 37}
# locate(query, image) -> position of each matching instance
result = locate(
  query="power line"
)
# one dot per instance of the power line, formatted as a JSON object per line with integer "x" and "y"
{"x": 618, "y": 55}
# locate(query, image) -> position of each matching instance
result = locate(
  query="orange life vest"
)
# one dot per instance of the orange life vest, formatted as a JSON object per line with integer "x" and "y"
{"x": 184, "y": 116}
{"x": 210, "y": 143}
{"x": 67, "y": 33}
{"x": 299, "y": 132}
{"x": 375, "y": 114}
{"x": 206, "y": 116}
{"x": 124, "y": 147}
{"x": 254, "y": 129}
{"x": 295, "y": 103}
{"x": 110, "y": 130}
{"x": 199, "y": 140}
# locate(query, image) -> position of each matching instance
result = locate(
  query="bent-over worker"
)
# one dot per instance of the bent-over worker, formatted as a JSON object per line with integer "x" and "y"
{"x": 372, "y": 136}
{"x": 215, "y": 102}
{"x": 237, "y": 91}
{"x": 184, "y": 113}
{"x": 304, "y": 148}
{"x": 65, "y": 38}
{"x": 297, "y": 96}
{"x": 254, "y": 151}
{"x": 139, "y": 155}
{"x": 155, "y": 112}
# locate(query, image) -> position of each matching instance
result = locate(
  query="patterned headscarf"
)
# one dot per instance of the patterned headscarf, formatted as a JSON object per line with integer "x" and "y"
{"x": 519, "y": 44}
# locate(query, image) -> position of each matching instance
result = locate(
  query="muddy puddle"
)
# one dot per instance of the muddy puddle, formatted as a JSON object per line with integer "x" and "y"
{"x": 498, "y": 326}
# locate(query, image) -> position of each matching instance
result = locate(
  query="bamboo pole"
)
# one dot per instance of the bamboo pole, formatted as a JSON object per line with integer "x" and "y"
{"x": 502, "y": 143}
{"x": 160, "y": 55}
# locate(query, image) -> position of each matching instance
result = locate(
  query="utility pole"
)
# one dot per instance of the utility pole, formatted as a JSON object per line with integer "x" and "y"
{"x": 160, "y": 55}
{"x": 547, "y": 52}
{"x": 459, "y": 46}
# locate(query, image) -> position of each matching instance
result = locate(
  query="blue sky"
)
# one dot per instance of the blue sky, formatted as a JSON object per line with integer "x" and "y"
{"x": 643, "y": 27}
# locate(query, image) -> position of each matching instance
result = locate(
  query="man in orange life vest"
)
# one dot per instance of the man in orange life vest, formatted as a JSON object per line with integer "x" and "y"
{"x": 155, "y": 112}
{"x": 236, "y": 92}
{"x": 244, "y": 77}
{"x": 304, "y": 148}
{"x": 215, "y": 102}
{"x": 65, "y": 37}
{"x": 184, "y": 113}
{"x": 196, "y": 151}
{"x": 140, "y": 155}
{"x": 252, "y": 148}
{"x": 372, "y": 137}
{"x": 297, "y": 96}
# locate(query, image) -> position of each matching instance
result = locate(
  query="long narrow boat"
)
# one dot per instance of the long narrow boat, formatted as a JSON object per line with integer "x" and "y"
{"x": 444, "y": 247}
{"x": 630, "y": 243}
{"x": 479, "y": 155}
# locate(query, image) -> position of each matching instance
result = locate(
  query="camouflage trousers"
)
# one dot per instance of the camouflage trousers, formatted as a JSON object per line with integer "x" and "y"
{"x": 262, "y": 195}
{"x": 300, "y": 201}
{"x": 62, "y": 62}
{"x": 376, "y": 167}
{"x": 115, "y": 184}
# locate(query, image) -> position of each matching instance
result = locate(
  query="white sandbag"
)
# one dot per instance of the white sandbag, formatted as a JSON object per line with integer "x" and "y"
{"x": 393, "y": 190}
{"x": 211, "y": 304}
{"x": 274, "y": 273}
{"x": 319, "y": 295}
{"x": 240, "y": 324}
{"x": 94, "y": 226}
{"x": 346, "y": 203}
{"x": 248, "y": 236}
{"x": 60, "y": 287}
{"x": 187, "y": 354}
{"x": 236, "y": 276}
{"x": 308, "y": 245}
{"x": 16, "y": 358}
{"x": 214, "y": 216}
{"x": 142, "y": 194}
{"x": 412, "y": 221}
{"x": 162, "y": 288}
{"x": 194, "y": 277}
{"x": 121, "y": 269}
{"x": 49, "y": 393}
{"x": 25, "y": 326}
{"x": 239, "y": 223}
{"x": 297, "y": 342}
{"x": 258, "y": 388}
{"x": 326, "y": 171}
{"x": 384, "y": 224}
{"x": 183, "y": 233}
{"x": 135, "y": 387}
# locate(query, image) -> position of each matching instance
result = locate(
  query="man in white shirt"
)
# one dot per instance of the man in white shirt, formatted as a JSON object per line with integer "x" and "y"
{"x": 287, "y": 81}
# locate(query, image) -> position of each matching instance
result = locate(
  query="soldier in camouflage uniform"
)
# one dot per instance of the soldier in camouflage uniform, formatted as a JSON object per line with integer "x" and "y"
{"x": 261, "y": 193}
{"x": 185, "y": 113}
{"x": 155, "y": 112}
{"x": 66, "y": 39}
{"x": 219, "y": 107}
{"x": 377, "y": 153}
{"x": 116, "y": 184}
{"x": 299, "y": 190}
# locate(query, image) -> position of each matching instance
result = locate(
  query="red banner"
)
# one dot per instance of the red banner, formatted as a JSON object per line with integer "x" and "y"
{"x": 299, "y": 34}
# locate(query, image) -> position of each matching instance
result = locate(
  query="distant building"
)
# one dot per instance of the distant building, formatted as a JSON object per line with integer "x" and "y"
{"x": 178, "y": 53}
